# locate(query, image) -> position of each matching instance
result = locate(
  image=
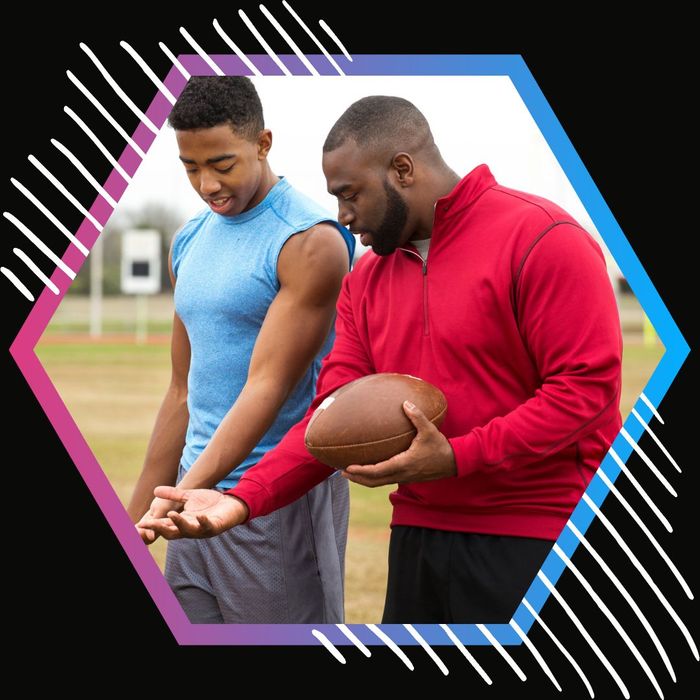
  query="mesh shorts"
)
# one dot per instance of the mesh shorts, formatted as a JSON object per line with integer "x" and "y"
{"x": 285, "y": 567}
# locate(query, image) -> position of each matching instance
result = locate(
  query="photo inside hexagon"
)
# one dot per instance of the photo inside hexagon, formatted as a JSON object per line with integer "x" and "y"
{"x": 112, "y": 376}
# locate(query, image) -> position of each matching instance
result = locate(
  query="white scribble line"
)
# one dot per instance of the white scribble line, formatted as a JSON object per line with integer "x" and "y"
{"x": 115, "y": 86}
{"x": 428, "y": 649}
{"x": 289, "y": 40}
{"x": 333, "y": 36}
{"x": 656, "y": 439}
{"x": 639, "y": 489}
{"x": 645, "y": 575}
{"x": 535, "y": 653}
{"x": 467, "y": 655}
{"x": 392, "y": 645}
{"x": 499, "y": 648}
{"x": 207, "y": 59}
{"x": 648, "y": 462}
{"x": 628, "y": 598}
{"x": 353, "y": 638}
{"x": 50, "y": 216}
{"x": 305, "y": 27}
{"x": 149, "y": 72}
{"x": 40, "y": 245}
{"x": 54, "y": 181}
{"x": 560, "y": 646}
{"x": 105, "y": 114}
{"x": 15, "y": 280}
{"x": 91, "y": 135}
{"x": 584, "y": 632}
{"x": 183, "y": 71}
{"x": 33, "y": 267}
{"x": 329, "y": 645}
{"x": 647, "y": 532}
{"x": 652, "y": 408}
{"x": 613, "y": 620}
{"x": 263, "y": 43}
{"x": 235, "y": 49}
{"x": 84, "y": 172}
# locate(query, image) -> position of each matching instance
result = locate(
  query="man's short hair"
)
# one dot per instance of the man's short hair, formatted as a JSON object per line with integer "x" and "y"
{"x": 381, "y": 122}
{"x": 209, "y": 101}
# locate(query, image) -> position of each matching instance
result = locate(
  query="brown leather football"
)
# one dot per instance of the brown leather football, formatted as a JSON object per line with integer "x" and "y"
{"x": 364, "y": 422}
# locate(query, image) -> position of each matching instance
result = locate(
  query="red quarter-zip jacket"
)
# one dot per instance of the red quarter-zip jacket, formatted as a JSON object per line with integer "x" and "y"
{"x": 514, "y": 318}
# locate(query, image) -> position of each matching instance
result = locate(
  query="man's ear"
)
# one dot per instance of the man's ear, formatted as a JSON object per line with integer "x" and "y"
{"x": 403, "y": 168}
{"x": 264, "y": 143}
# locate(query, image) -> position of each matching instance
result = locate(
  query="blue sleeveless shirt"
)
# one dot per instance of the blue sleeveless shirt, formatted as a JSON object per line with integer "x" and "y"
{"x": 226, "y": 270}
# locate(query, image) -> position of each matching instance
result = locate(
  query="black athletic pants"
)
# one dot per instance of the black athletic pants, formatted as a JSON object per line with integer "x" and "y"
{"x": 439, "y": 576}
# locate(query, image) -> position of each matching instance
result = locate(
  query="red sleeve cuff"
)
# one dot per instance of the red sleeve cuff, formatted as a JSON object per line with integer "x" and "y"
{"x": 467, "y": 451}
{"x": 254, "y": 496}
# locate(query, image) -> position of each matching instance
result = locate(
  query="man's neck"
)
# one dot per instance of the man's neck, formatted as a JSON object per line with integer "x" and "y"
{"x": 444, "y": 181}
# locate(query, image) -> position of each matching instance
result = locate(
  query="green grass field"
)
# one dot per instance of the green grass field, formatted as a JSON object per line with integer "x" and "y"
{"x": 113, "y": 391}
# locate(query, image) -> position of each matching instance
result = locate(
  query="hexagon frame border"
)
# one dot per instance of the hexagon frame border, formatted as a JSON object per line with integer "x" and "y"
{"x": 512, "y": 66}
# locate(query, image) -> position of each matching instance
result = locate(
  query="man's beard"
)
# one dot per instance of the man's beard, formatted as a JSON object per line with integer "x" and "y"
{"x": 385, "y": 240}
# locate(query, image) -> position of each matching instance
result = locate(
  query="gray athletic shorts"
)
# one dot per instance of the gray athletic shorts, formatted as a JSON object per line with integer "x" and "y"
{"x": 285, "y": 567}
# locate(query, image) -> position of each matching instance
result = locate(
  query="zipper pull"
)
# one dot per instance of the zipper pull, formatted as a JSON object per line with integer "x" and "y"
{"x": 425, "y": 267}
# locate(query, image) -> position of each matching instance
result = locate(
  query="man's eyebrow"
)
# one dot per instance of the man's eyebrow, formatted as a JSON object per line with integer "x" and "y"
{"x": 216, "y": 159}
{"x": 337, "y": 190}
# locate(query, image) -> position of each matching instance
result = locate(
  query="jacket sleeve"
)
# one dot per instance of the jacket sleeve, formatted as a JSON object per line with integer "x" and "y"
{"x": 288, "y": 471}
{"x": 568, "y": 320}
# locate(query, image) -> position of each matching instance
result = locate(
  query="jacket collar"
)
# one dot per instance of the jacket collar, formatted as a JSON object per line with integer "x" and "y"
{"x": 465, "y": 193}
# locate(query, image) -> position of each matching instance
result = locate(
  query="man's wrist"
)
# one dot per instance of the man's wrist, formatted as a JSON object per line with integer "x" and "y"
{"x": 253, "y": 495}
{"x": 242, "y": 508}
{"x": 450, "y": 459}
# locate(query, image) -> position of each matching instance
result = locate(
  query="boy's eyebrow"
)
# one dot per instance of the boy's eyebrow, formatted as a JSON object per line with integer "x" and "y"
{"x": 216, "y": 159}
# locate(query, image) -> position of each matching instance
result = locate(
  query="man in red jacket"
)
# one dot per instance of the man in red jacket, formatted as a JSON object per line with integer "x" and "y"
{"x": 503, "y": 301}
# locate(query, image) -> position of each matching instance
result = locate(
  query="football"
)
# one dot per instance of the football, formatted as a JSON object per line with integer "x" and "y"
{"x": 364, "y": 422}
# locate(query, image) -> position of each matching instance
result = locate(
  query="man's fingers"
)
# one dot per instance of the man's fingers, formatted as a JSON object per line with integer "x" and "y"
{"x": 161, "y": 526}
{"x": 369, "y": 481}
{"x": 372, "y": 475}
{"x": 171, "y": 493}
{"x": 206, "y": 525}
{"x": 380, "y": 470}
{"x": 170, "y": 532}
{"x": 178, "y": 525}
{"x": 416, "y": 416}
{"x": 147, "y": 535}
{"x": 189, "y": 527}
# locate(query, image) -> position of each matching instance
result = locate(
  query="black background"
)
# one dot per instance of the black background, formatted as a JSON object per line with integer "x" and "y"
{"x": 78, "y": 601}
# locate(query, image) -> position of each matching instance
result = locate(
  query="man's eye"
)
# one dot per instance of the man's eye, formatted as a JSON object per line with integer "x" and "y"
{"x": 223, "y": 171}
{"x": 350, "y": 197}
{"x": 191, "y": 170}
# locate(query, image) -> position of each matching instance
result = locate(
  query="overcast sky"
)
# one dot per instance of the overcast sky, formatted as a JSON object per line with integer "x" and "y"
{"x": 475, "y": 119}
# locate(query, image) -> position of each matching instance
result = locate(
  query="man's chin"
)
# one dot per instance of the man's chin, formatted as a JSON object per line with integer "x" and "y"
{"x": 384, "y": 248}
{"x": 382, "y": 251}
{"x": 368, "y": 240}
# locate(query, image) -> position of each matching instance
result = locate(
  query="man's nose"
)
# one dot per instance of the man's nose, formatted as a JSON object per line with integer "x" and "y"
{"x": 345, "y": 216}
